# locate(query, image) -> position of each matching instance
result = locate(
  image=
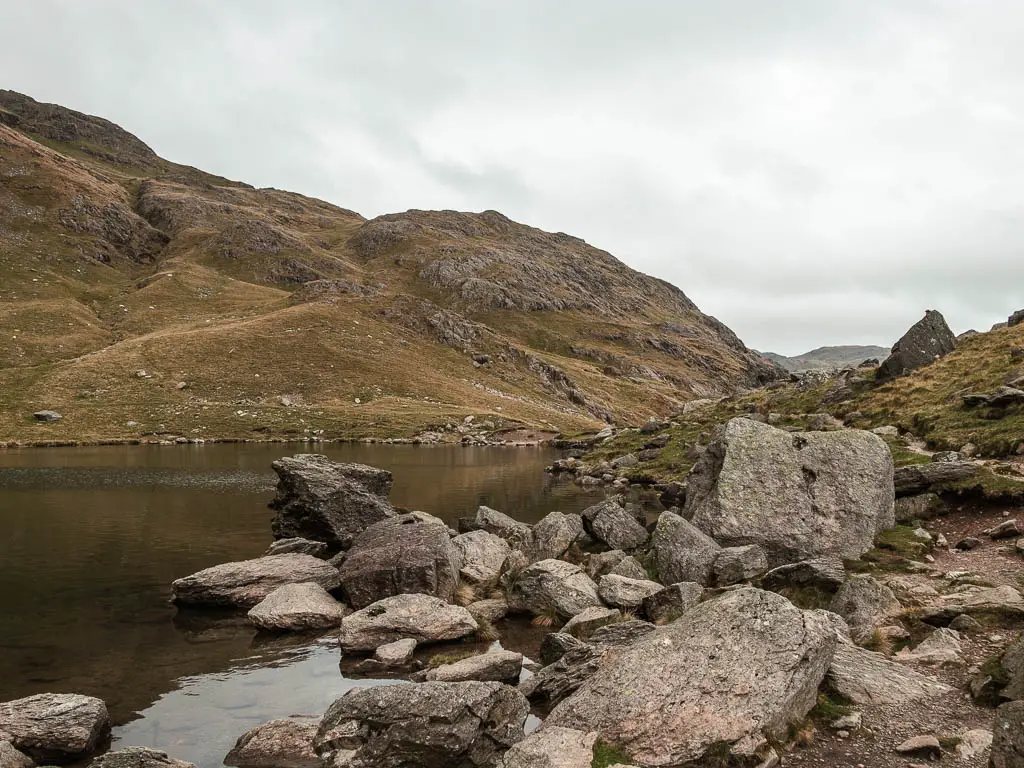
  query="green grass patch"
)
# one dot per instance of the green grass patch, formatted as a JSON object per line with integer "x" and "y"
{"x": 606, "y": 755}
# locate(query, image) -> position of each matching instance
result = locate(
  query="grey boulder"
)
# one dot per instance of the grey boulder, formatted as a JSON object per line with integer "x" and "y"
{"x": 865, "y": 604}
{"x": 736, "y": 564}
{"x": 13, "y": 758}
{"x": 868, "y": 678}
{"x": 55, "y": 727}
{"x": 668, "y": 604}
{"x": 419, "y": 617}
{"x": 427, "y": 725}
{"x": 553, "y": 535}
{"x": 326, "y": 501}
{"x": 552, "y": 747}
{"x": 798, "y": 496}
{"x": 300, "y": 546}
{"x": 733, "y": 673}
{"x": 553, "y": 587}
{"x": 921, "y": 478}
{"x": 1008, "y": 736}
{"x": 398, "y": 556}
{"x": 283, "y": 743}
{"x": 583, "y": 624}
{"x": 682, "y": 552}
{"x": 610, "y": 523}
{"x": 517, "y": 534}
{"x": 825, "y": 573}
{"x": 297, "y": 607}
{"x": 622, "y": 592}
{"x": 500, "y": 666}
{"x": 248, "y": 582}
{"x": 138, "y": 757}
{"x": 927, "y": 340}
{"x": 481, "y": 557}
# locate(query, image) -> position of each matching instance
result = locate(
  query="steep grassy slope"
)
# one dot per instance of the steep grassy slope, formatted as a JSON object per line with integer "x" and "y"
{"x": 142, "y": 298}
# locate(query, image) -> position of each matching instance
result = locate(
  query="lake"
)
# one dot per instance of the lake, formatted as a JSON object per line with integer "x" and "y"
{"x": 93, "y": 537}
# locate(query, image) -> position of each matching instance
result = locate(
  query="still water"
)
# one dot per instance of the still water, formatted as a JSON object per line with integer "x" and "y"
{"x": 91, "y": 538}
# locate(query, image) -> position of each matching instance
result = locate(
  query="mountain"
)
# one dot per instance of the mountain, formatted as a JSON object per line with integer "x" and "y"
{"x": 829, "y": 357}
{"x": 144, "y": 298}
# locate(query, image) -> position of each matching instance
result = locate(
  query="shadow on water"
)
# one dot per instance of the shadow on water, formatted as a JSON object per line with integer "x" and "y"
{"x": 93, "y": 537}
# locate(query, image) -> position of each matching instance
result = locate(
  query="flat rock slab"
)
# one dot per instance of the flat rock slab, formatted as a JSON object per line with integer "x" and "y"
{"x": 736, "y": 669}
{"x": 283, "y": 743}
{"x": 248, "y": 582}
{"x": 865, "y": 677}
{"x": 55, "y": 726}
{"x": 297, "y": 607}
{"x": 428, "y": 725}
{"x": 500, "y": 666}
{"x": 419, "y": 617}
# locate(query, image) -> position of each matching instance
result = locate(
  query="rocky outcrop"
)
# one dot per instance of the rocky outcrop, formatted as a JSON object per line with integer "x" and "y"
{"x": 481, "y": 557}
{"x": 429, "y": 725}
{"x": 401, "y": 555}
{"x": 297, "y": 607}
{"x": 419, "y": 617}
{"x": 865, "y": 677}
{"x": 326, "y": 501}
{"x": 284, "y": 743}
{"x": 246, "y": 583}
{"x": 553, "y": 587}
{"x": 138, "y": 757}
{"x": 608, "y": 522}
{"x": 552, "y": 747}
{"x": 55, "y": 727}
{"x": 798, "y": 496}
{"x": 682, "y": 552}
{"x": 738, "y": 670}
{"x": 921, "y": 478}
{"x": 501, "y": 666}
{"x": 926, "y": 341}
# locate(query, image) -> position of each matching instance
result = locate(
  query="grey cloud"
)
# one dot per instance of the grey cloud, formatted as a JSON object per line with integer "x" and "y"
{"x": 809, "y": 172}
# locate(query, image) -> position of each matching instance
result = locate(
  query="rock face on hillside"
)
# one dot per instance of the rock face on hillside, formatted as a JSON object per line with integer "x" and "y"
{"x": 735, "y": 670}
{"x": 323, "y": 500}
{"x": 926, "y": 341}
{"x": 799, "y": 496}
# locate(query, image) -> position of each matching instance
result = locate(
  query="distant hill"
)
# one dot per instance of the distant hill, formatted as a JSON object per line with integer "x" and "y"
{"x": 144, "y": 299}
{"x": 829, "y": 357}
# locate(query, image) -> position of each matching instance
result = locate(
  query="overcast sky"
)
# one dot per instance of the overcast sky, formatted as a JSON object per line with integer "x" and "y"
{"x": 809, "y": 171}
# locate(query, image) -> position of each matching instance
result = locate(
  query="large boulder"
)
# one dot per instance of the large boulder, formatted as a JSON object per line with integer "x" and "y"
{"x": 682, "y": 552}
{"x": 401, "y": 555}
{"x": 284, "y": 743}
{"x": 13, "y": 758}
{"x": 248, "y": 582}
{"x": 517, "y": 534}
{"x": 55, "y": 727}
{"x": 1008, "y": 736}
{"x": 799, "y": 496}
{"x": 323, "y": 500}
{"x": 138, "y": 757}
{"x": 868, "y": 678}
{"x": 427, "y": 725}
{"x": 553, "y": 587}
{"x": 420, "y": 617}
{"x": 733, "y": 673}
{"x": 866, "y": 604}
{"x": 553, "y": 535}
{"x": 552, "y": 747}
{"x": 481, "y": 556}
{"x": 926, "y": 341}
{"x": 610, "y": 523}
{"x": 297, "y": 607}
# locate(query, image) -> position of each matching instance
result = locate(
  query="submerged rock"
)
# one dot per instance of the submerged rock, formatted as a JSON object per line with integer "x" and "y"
{"x": 735, "y": 671}
{"x": 419, "y": 617}
{"x": 283, "y": 743}
{"x": 401, "y": 555}
{"x": 428, "y": 725}
{"x": 323, "y": 500}
{"x": 798, "y": 496}
{"x": 56, "y": 727}
{"x": 246, "y": 583}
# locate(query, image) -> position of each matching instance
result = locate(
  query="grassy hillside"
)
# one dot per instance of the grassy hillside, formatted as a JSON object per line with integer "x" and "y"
{"x": 143, "y": 299}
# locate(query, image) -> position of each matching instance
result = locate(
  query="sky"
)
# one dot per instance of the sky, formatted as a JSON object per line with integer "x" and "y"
{"x": 810, "y": 172}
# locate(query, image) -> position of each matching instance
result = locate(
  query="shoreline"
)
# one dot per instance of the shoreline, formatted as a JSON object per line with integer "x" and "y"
{"x": 17, "y": 445}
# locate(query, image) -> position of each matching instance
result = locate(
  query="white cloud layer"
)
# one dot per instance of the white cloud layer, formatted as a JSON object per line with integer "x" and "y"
{"x": 809, "y": 172}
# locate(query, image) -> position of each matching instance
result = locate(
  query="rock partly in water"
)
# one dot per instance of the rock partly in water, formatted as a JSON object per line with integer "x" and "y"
{"x": 553, "y": 587}
{"x": 399, "y": 556}
{"x": 428, "y": 725}
{"x": 246, "y": 583}
{"x": 735, "y": 672}
{"x": 419, "y": 617}
{"x": 552, "y": 747}
{"x": 927, "y": 340}
{"x": 682, "y": 552}
{"x": 799, "y": 496}
{"x": 326, "y": 501}
{"x": 283, "y": 743}
{"x": 297, "y": 607}
{"x": 56, "y": 727}
{"x": 501, "y": 666}
{"x": 396, "y": 654}
{"x": 138, "y": 757}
